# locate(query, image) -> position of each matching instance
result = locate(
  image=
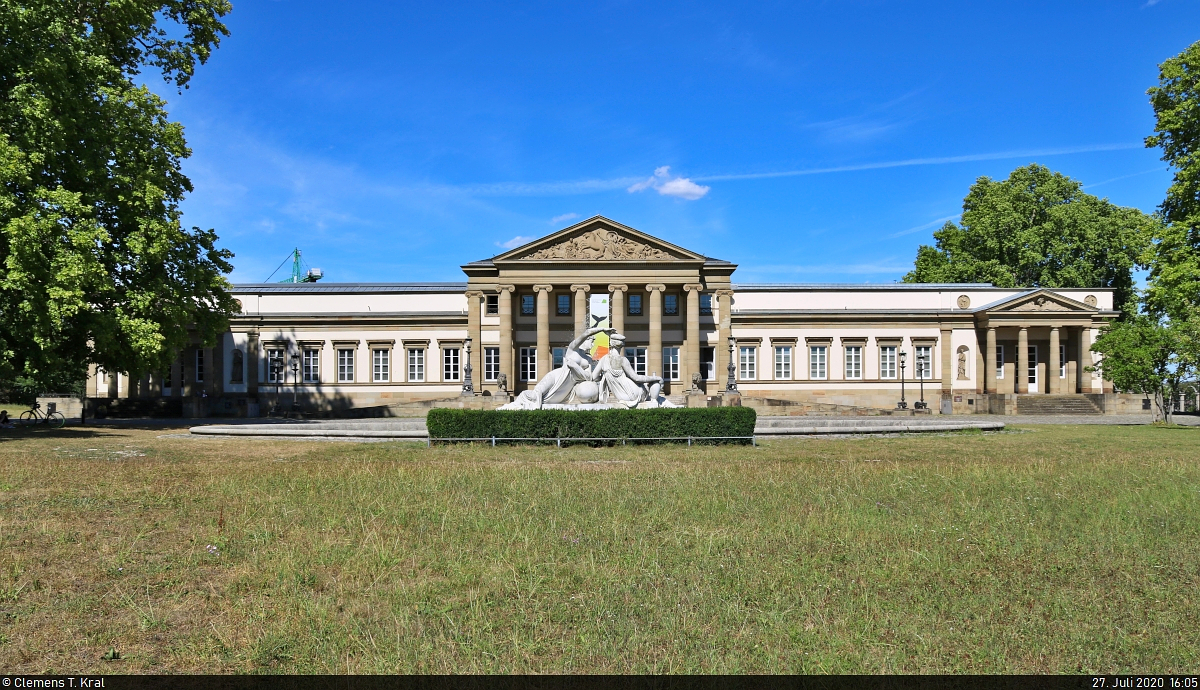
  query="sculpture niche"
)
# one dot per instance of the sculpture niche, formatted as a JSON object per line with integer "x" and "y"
{"x": 584, "y": 383}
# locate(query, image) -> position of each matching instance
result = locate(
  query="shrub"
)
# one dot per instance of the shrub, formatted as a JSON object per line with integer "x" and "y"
{"x": 616, "y": 423}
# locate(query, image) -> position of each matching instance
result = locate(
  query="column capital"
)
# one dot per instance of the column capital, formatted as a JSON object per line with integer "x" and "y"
{"x": 474, "y": 293}
{"x": 506, "y": 288}
{"x": 656, "y": 287}
{"x": 693, "y": 287}
{"x": 725, "y": 292}
{"x": 543, "y": 288}
{"x": 618, "y": 288}
{"x": 580, "y": 287}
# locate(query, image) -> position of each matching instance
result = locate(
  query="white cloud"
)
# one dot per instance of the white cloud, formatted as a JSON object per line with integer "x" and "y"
{"x": 515, "y": 242}
{"x": 925, "y": 226}
{"x": 565, "y": 216}
{"x": 666, "y": 185}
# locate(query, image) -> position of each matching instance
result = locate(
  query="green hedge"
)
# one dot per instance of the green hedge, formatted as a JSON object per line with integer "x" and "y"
{"x": 616, "y": 423}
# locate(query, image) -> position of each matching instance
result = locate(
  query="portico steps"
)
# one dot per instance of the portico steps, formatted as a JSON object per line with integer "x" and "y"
{"x": 1075, "y": 404}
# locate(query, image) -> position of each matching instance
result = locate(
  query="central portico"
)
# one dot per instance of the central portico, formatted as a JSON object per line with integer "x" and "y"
{"x": 526, "y": 302}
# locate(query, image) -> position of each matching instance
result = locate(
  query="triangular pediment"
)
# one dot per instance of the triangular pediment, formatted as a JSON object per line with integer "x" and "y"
{"x": 599, "y": 239}
{"x": 1040, "y": 301}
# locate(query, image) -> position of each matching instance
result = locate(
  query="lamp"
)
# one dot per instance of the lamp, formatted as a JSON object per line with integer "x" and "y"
{"x": 731, "y": 384}
{"x": 468, "y": 388}
{"x": 902, "y": 405}
{"x": 295, "y": 376}
{"x": 922, "y": 360}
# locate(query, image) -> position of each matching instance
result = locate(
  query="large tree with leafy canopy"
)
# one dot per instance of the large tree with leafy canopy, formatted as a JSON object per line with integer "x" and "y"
{"x": 1174, "y": 258}
{"x": 1037, "y": 228}
{"x": 97, "y": 266}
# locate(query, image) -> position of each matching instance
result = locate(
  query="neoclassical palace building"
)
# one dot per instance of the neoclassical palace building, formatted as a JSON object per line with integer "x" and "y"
{"x": 964, "y": 347}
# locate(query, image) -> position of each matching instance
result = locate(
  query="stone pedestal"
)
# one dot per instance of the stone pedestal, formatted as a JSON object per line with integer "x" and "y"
{"x": 731, "y": 400}
{"x": 252, "y": 409}
{"x": 697, "y": 400}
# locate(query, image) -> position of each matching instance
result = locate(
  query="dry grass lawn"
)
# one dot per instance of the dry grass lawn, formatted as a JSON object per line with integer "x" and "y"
{"x": 1059, "y": 549}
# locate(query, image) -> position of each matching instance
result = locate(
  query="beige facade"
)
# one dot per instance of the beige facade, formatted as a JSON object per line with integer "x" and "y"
{"x": 356, "y": 345}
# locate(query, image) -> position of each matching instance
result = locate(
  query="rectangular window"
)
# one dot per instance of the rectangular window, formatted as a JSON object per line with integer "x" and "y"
{"x": 528, "y": 305}
{"x": 923, "y": 366}
{"x": 999, "y": 361}
{"x": 671, "y": 305}
{"x": 671, "y": 363}
{"x": 817, "y": 361}
{"x": 887, "y": 362}
{"x": 635, "y": 305}
{"x": 275, "y": 366}
{"x": 564, "y": 305}
{"x": 853, "y": 361}
{"x": 705, "y": 305}
{"x": 637, "y": 359}
{"x": 1062, "y": 361}
{"x": 450, "y": 364}
{"x": 381, "y": 365}
{"x": 312, "y": 366}
{"x": 416, "y": 364}
{"x": 493, "y": 304}
{"x": 746, "y": 363}
{"x": 491, "y": 364}
{"x": 708, "y": 363}
{"x": 199, "y": 366}
{"x": 528, "y": 364}
{"x": 783, "y": 362}
{"x": 345, "y": 364}
{"x": 557, "y": 355}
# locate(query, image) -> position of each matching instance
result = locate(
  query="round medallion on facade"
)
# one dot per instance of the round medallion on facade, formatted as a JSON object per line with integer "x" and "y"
{"x": 963, "y": 301}
{"x": 1090, "y": 300}
{"x": 241, "y": 309}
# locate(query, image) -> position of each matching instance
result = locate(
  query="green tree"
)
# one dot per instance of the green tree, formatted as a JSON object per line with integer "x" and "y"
{"x": 1037, "y": 228}
{"x": 1174, "y": 256}
{"x": 96, "y": 264}
{"x": 1150, "y": 354}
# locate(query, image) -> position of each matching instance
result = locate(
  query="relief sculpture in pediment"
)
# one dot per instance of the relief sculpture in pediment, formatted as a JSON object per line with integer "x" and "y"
{"x": 600, "y": 245}
{"x": 1042, "y": 304}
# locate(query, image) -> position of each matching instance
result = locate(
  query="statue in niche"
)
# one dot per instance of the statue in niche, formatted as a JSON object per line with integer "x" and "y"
{"x": 236, "y": 373}
{"x": 502, "y": 384}
{"x": 962, "y": 362}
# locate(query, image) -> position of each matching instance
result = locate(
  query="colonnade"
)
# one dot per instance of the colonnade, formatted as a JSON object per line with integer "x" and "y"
{"x": 1078, "y": 379}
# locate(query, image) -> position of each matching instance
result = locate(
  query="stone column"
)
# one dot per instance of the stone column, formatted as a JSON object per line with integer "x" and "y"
{"x": 506, "y": 335}
{"x": 1022, "y": 374}
{"x": 724, "y": 332}
{"x": 1085, "y": 360}
{"x": 177, "y": 374}
{"x": 692, "y": 359}
{"x": 947, "y": 363}
{"x": 1052, "y": 381}
{"x": 980, "y": 367}
{"x": 616, "y": 307}
{"x": 581, "y": 292}
{"x": 93, "y": 381}
{"x": 113, "y": 385}
{"x": 989, "y": 363}
{"x": 252, "y": 367}
{"x": 474, "y": 331}
{"x": 544, "y": 361}
{"x": 654, "y": 351}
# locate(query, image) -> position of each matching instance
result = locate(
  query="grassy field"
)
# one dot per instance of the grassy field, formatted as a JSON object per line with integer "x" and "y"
{"x": 1057, "y": 549}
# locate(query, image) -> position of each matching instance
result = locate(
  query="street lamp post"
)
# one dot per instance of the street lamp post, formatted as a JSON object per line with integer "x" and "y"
{"x": 902, "y": 405}
{"x": 468, "y": 388}
{"x": 295, "y": 379}
{"x": 276, "y": 367}
{"x": 731, "y": 384}
{"x": 922, "y": 360}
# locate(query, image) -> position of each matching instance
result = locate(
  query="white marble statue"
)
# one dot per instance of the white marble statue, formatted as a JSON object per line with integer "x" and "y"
{"x": 562, "y": 385}
{"x": 620, "y": 383}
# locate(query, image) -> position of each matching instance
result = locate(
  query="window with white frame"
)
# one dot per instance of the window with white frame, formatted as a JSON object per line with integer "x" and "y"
{"x": 999, "y": 361}
{"x": 637, "y": 358}
{"x": 450, "y": 363}
{"x": 708, "y": 363}
{"x": 345, "y": 365}
{"x": 1062, "y": 361}
{"x": 671, "y": 363}
{"x": 854, "y": 362}
{"x": 528, "y": 368}
{"x": 747, "y": 365}
{"x": 416, "y": 364}
{"x": 275, "y": 365}
{"x": 817, "y": 362}
{"x": 887, "y": 362}
{"x": 783, "y": 362}
{"x": 924, "y": 362}
{"x": 491, "y": 363}
{"x": 493, "y": 304}
{"x": 557, "y": 355}
{"x": 381, "y": 360}
{"x": 311, "y": 366}
{"x": 199, "y": 365}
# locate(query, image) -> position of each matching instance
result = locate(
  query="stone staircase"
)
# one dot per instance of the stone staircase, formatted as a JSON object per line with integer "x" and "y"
{"x": 1056, "y": 404}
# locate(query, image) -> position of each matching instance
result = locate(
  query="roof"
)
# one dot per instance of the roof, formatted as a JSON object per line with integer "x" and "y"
{"x": 772, "y": 287}
{"x": 347, "y": 288}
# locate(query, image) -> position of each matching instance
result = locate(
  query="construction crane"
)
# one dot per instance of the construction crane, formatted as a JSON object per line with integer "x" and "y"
{"x": 299, "y": 275}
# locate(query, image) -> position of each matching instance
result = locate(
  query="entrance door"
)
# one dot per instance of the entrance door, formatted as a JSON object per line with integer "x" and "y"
{"x": 1033, "y": 369}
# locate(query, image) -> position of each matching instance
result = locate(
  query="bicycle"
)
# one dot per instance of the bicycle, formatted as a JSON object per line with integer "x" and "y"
{"x": 51, "y": 417}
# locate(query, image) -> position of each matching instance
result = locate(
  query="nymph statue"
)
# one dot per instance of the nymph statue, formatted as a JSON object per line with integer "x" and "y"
{"x": 620, "y": 383}
{"x": 562, "y": 385}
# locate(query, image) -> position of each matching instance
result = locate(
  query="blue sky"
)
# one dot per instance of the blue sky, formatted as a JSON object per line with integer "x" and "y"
{"x": 807, "y": 142}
